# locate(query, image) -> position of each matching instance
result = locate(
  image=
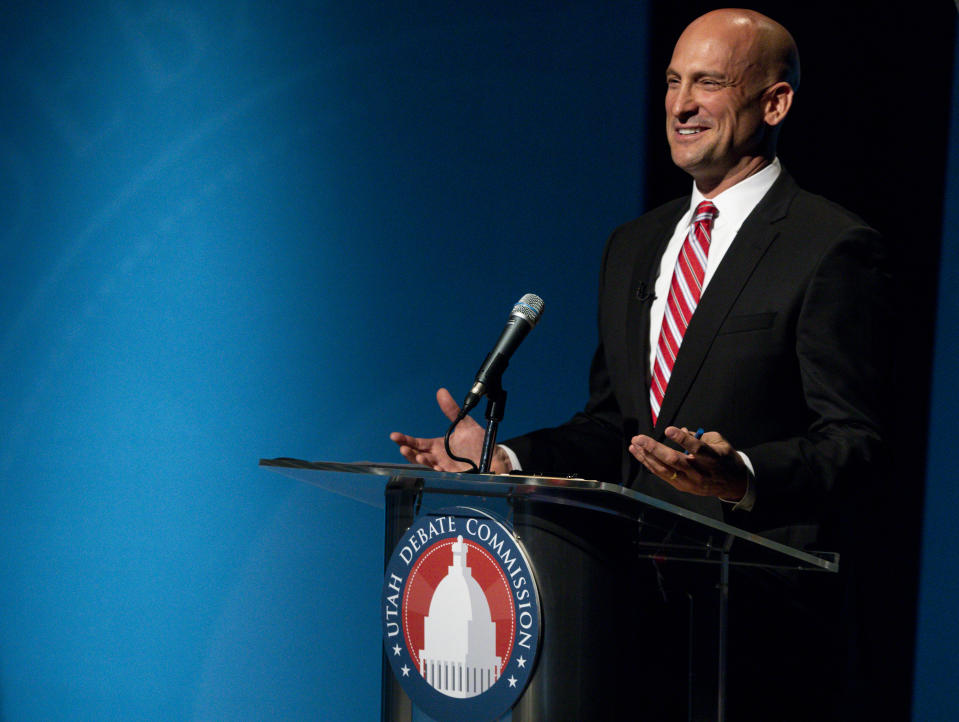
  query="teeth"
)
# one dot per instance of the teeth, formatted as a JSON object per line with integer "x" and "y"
{"x": 688, "y": 131}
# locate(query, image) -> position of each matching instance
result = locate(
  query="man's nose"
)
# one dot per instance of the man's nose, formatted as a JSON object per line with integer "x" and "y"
{"x": 680, "y": 101}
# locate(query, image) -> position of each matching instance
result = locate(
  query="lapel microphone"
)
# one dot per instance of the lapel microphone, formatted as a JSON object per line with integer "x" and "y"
{"x": 644, "y": 292}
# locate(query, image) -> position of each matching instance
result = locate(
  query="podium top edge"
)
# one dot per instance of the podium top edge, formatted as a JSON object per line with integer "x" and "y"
{"x": 406, "y": 470}
{"x": 541, "y": 485}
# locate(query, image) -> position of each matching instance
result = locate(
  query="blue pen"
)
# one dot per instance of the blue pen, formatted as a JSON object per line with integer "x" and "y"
{"x": 699, "y": 434}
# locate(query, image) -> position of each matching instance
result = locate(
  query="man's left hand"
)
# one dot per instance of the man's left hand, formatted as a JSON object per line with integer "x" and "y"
{"x": 711, "y": 466}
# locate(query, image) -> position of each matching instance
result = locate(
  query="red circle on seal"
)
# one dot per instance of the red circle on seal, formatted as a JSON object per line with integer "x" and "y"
{"x": 430, "y": 569}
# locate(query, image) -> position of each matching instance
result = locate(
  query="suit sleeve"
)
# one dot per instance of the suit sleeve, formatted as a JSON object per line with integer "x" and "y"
{"x": 843, "y": 352}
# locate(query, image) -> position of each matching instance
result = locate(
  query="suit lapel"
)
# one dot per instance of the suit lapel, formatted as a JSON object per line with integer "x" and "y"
{"x": 754, "y": 237}
{"x": 645, "y": 271}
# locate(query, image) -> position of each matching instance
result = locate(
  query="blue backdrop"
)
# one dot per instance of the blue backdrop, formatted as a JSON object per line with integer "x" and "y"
{"x": 937, "y": 639}
{"x": 242, "y": 230}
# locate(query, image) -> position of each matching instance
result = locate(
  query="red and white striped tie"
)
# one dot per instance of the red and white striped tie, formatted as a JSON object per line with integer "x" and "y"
{"x": 684, "y": 293}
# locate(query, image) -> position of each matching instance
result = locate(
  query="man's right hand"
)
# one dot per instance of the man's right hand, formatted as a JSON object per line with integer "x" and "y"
{"x": 466, "y": 441}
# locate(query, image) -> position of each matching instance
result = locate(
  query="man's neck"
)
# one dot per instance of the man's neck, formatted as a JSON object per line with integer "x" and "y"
{"x": 712, "y": 187}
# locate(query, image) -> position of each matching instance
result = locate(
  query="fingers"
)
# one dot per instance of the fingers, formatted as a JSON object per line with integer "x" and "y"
{"x": 667, "y": 472}
{"x": 713, "y": 438}
{"x": 708, "y": 467}
{"x": 423, "y": 457}
{"x": 432, "y": 452}
{"x": 673, "y": 467}
{"x": 415, "y": 450}
{"x": 688, "y": 441}
{"x": 410, "y": 453}
{"x": 663, "y": 461}
{"x": 411, "y": 441}
{"x": 447, "y": 404}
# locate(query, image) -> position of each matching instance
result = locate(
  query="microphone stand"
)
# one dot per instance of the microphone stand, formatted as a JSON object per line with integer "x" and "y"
{"x": 495, "y": 404}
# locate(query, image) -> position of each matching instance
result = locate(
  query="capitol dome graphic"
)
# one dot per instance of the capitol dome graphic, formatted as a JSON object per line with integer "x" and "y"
{"x": 458, "y": 657}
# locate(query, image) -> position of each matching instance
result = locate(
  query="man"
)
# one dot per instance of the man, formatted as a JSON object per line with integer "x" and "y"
{"x": 751, "y": 309}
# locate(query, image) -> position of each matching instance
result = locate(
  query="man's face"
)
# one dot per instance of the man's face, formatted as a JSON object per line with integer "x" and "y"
{"x": 714, "y": 108}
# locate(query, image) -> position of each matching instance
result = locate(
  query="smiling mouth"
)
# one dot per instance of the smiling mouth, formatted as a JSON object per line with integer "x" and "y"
{"x": 690, "y": 131}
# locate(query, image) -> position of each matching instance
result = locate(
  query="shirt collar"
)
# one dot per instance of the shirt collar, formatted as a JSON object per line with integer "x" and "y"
{"x": 736, "y": 203}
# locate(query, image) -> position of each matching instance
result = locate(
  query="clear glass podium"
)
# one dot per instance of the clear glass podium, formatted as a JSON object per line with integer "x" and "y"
{"x": 586, "y": 541}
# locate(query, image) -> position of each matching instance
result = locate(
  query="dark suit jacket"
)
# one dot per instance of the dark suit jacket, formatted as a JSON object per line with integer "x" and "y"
{"x": 785, "y": 356}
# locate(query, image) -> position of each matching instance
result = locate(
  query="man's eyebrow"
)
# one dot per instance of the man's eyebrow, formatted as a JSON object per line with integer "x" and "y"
{"x": 697, "y": 74}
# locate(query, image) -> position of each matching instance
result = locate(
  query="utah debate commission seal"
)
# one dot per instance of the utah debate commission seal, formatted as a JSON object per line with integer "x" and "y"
{"x": 461, "y": 622}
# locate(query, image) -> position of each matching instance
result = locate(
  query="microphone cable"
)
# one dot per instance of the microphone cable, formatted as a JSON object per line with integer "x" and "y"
{"x": 449, "y": 452}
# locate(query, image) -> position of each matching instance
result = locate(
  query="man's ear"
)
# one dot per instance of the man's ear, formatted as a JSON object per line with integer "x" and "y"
{"x": 777, "y": 100}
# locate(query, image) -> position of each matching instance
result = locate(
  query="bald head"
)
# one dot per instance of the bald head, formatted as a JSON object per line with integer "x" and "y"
{"x": 758, "y": 41}
{"x": 730, "y": 84}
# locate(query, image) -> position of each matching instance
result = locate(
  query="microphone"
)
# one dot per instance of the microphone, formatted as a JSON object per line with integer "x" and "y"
{"x": 645, "y": 292}
{"x": 521, "y": 320}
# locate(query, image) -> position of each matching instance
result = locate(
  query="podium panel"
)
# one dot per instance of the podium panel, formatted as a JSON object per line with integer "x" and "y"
{"x": 634, "y": 591}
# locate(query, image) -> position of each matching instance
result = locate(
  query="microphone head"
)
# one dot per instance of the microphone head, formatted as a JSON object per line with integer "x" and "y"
{"x": 530, "y": 307}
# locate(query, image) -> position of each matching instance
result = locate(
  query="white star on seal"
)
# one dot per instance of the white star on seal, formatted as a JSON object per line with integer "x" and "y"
{"x": 512, "y": 681}
{"x": 406, "y": 670}
{"x": 521, "y": 661}
{"x": 396, "y": 651}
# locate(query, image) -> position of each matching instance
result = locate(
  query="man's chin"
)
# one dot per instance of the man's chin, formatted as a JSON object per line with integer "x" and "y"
{"x": 687, "y": 161}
